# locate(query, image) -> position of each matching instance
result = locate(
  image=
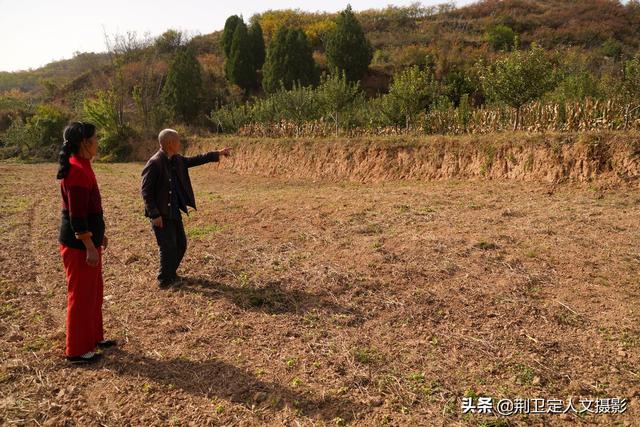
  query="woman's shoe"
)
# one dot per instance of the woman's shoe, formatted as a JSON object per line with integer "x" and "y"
{"x": 106, "y": 344}
{"x": 89, "y": 357}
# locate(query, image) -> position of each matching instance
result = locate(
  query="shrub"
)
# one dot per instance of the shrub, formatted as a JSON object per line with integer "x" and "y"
{"x": 38, "y": 137}
{"x": 411, "y": 92}
{"x": 113, "y": 133}
{"x": 501, "y": 37}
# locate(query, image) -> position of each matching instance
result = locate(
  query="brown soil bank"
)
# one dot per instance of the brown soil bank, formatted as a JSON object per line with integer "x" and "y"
{"x": 520, "y": 156}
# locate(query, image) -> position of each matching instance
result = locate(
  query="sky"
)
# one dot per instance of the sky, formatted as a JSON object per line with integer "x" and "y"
{"x": 34, "y": 33}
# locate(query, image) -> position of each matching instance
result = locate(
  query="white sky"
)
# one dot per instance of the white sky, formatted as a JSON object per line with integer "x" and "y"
{"x": 36, "y": 32}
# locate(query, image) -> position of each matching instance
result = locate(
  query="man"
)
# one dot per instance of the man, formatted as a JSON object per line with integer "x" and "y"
{"x": 166, "y": 190}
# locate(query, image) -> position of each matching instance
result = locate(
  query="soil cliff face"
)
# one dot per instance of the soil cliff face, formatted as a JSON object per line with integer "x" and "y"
{"x": 540, "y": 157}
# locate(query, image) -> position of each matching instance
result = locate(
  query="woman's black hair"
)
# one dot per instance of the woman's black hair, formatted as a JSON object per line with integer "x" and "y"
{"x": 73, "y": 135}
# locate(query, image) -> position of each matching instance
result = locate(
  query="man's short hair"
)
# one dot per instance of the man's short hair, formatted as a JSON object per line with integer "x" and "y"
{"x": 165, "y": 135}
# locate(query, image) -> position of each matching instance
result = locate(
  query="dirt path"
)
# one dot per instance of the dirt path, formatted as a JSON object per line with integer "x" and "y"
{"x": 313, "y": 303}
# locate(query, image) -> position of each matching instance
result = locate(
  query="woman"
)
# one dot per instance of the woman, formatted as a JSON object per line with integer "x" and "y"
{"x": 82, "y": 240}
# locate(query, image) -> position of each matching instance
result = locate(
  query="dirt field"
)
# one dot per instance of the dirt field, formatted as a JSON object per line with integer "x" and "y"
{"x": 329, "y": 304}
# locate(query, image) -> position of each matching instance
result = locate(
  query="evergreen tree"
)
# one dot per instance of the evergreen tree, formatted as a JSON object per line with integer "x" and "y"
{"x": 239, "y": 67}
{"x": 256, "y": 41}
{"x": 181, "y": 91}
{"x": 228, "y": 33}
{"x": 302, "y": 67}
{"x": 289, "y": 60}
{"x": 347, "y": 48}
{"x": 276, "y": 62}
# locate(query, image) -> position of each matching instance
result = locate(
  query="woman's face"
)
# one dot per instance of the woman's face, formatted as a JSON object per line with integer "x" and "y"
{"x": 91, "y": 145}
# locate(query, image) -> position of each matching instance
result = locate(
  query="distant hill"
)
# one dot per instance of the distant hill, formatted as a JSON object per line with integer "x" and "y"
{"x": 58, "y": 72}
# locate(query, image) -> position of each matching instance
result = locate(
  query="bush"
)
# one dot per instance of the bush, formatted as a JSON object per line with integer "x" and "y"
{"x": 20, "y": 140}
{"x": 336, "y": 96}
{"x": 411, "y": 92}
{"x": 230, "y": 118}
{"x": 39, "y": 136}
{"x": 501, "y": 37}
{"x": 50, "y": 122}
{"x": 612, "y": 48}
{"x": 113, "y": 133}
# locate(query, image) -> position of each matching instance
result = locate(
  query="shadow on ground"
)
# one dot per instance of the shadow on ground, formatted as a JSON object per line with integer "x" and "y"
{"x": 218, "y": 379}
{"x": 271, "y": 298}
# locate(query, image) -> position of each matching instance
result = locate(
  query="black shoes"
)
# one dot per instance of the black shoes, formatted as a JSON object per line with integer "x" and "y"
{"x": 168, "y": 283}
{"x": 90, "y": 357}
{"x": 106, "y": 344}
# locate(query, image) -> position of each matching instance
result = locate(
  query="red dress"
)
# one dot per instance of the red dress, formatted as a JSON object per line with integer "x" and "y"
{"x": 82, "y": 213}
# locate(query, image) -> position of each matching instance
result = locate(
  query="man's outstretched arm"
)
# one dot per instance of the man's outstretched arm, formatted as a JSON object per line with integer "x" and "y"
{"x": 201, "y": 159}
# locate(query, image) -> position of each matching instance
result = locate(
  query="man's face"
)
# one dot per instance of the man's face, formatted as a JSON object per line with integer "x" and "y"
{"x": 175, "y": 145}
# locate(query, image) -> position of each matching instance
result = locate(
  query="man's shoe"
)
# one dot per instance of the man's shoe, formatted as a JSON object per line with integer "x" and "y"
{"x": 85, "y": 358}
{"x": 166, "y": 283}
{"x": 106, "y": 344}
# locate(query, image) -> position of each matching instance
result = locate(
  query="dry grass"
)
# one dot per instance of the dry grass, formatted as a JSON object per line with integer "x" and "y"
{"x": 328, "y": 304}
{"x": 580, "y": 116}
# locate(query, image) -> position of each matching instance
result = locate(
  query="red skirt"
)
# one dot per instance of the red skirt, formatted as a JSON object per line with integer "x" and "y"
{"x": 84, "y": 301}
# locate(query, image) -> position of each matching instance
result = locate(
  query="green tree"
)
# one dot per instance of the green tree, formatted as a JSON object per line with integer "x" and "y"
{"x": 289, "y": 60}
{"x": 631, "y": 79}
{"x": 336, "y": 95}
{"x": 303, "y": 69}
{"x": 347, "y": 48}
{"x": 228, "y": 33}
{"x": 256, "y": 42}
{"x": 169, "y": 42}
{"x": 299, "y": 105}
{"x": 501, "y": 37}
{"x": 631, "y": 86}
{"x": 457, "y": 84}
{"x": 576, "y": 86}
{"x": 181, "y": 91}
{"x": 612, "y": 48}
{"x": 275, "y": 66}
{"x": 240, "y": 67}
{"x": 518, "y": 78}
{"x": 412, "y": 92}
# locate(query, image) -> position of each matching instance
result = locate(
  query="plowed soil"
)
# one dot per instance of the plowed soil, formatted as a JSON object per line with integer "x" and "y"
{"x": 310, "y": 303}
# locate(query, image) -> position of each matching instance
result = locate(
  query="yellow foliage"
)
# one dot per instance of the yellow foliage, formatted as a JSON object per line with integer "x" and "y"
{"x": 316, "y": 31}
{"x": 315, "y": 25}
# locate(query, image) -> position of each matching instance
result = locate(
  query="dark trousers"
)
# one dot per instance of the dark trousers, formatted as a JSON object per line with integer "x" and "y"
{"x": 172, "y": 243}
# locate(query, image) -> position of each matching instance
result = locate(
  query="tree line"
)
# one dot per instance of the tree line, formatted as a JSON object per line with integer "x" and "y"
{"x": 168, "y": 81}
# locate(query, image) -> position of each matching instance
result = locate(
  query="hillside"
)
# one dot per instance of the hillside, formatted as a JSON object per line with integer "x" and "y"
{"x": 403, "y": 36}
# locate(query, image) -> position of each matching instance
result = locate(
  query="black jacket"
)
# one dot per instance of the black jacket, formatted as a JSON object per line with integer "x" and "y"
{"x": 155, "y": 181}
